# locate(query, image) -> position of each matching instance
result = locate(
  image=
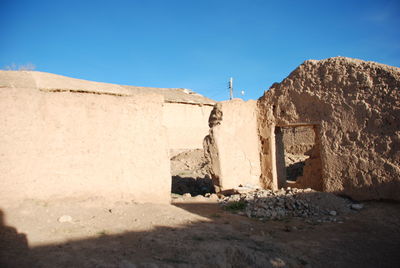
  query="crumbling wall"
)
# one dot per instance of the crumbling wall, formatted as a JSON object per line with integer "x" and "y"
{"x": 312, "y": 171}
{"x": 298, "y": 140}
{"x": 233, "y": 145}
{"x": 187, "y": 125}
{"x": 63, "y": 144}
{"x": 356, "y": 106}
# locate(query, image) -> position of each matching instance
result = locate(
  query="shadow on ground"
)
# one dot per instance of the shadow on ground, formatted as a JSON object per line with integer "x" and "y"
{"x": 193, "y": 185}
{"x": 370, "y": 238}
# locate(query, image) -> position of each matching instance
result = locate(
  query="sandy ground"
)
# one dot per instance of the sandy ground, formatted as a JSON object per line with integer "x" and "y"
{"x": 191, "y": 232}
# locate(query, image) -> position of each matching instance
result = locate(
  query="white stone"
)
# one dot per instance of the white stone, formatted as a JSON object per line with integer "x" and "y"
{"x": 214, "y": 196}
{"x": 357, "y": 206}
{"x": 65, "y": 218}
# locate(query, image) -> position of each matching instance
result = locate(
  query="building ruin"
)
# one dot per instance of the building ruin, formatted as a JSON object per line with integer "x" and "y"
{"x": 64, "y": 137}
{"x": 332, "y": 125}
{"x": 351, "y": 112}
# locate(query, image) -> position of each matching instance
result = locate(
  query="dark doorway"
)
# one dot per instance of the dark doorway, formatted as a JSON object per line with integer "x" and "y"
{"x": 190, "y": 173}
{"x": 298, "y": 156}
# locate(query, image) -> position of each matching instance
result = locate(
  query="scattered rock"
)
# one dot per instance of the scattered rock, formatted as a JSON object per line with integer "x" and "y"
{"x": 187, "y": 195}
{"x": 290, "y": 202}
{"x": 242, "y": 189}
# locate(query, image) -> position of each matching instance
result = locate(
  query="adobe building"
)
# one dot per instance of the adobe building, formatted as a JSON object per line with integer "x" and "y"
{"x": 64, "y": 137}
{"x": 331, "y": 125}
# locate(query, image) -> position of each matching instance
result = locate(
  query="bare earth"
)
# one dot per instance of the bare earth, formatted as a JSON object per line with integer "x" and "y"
{"x": 192, "y": 232}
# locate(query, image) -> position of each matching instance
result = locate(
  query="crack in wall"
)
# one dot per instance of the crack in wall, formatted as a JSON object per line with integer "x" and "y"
{"x": 55, "y": 90}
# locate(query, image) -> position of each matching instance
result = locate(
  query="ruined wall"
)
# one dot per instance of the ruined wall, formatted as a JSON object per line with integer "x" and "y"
{"x": 356, "y": 106}
{"x": 186, "y": 124}
{"x": 233, "y": 144}
{"x": 64, "y": 144}
{"x": 298, "y": 140}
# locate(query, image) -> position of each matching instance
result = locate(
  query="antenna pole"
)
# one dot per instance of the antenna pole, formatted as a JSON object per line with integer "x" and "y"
{"x": 231, "y": 88}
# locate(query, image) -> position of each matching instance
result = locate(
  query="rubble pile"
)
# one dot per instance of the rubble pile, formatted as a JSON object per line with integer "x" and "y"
{"x": 190, "y": 164}
{"x": 290, "y": 202}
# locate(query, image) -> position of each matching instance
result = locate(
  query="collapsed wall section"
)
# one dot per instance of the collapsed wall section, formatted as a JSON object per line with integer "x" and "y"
{"x": 233, "y": 145}
{"x": 78, "y": 144}
{"x": 356, "y": 106}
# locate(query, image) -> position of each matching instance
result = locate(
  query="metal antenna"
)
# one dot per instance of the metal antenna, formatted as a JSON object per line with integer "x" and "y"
{"x": 230, "y": 85}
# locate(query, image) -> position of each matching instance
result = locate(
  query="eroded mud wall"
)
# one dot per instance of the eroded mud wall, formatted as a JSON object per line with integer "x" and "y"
{"x": 298, "y": 140}
{"x": 186, "y": 124}
{"x": 356, "y": 108}
{"x": 233, "y": 145}
{"x": 63, "y": 144}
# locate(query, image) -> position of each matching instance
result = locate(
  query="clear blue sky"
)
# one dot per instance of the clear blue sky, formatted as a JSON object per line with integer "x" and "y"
{"x": 196, "y": 44}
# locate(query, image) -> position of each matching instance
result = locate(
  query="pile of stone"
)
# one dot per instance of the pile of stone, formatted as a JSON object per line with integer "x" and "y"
{"x": 291, "y": 202}
{"x": 190, "y": 164}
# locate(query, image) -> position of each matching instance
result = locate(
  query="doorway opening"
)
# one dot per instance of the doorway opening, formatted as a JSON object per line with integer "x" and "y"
{"x": 190, "y": 173}
{"x": 298, "y": 157}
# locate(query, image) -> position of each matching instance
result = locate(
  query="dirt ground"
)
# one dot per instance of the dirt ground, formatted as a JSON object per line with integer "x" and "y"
{"x": 191, "y": 232}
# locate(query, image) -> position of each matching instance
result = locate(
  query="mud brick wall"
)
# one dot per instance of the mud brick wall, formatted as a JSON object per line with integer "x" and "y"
{"x": 66, "y": 144}
{"x": 356, "y": 108}
{"x": 233, "y": 145}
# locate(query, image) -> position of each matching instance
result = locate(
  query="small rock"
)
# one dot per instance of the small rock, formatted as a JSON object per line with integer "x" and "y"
{"x": 242, "y": 190}
{"x": 65, "y": 218}
{"x": 199, "y": 197}
{"x": 213, "y": 196}
{"x": 187, "y": 195}
{"x": 357, "y": 206}
{"x": 332, "y": 213}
